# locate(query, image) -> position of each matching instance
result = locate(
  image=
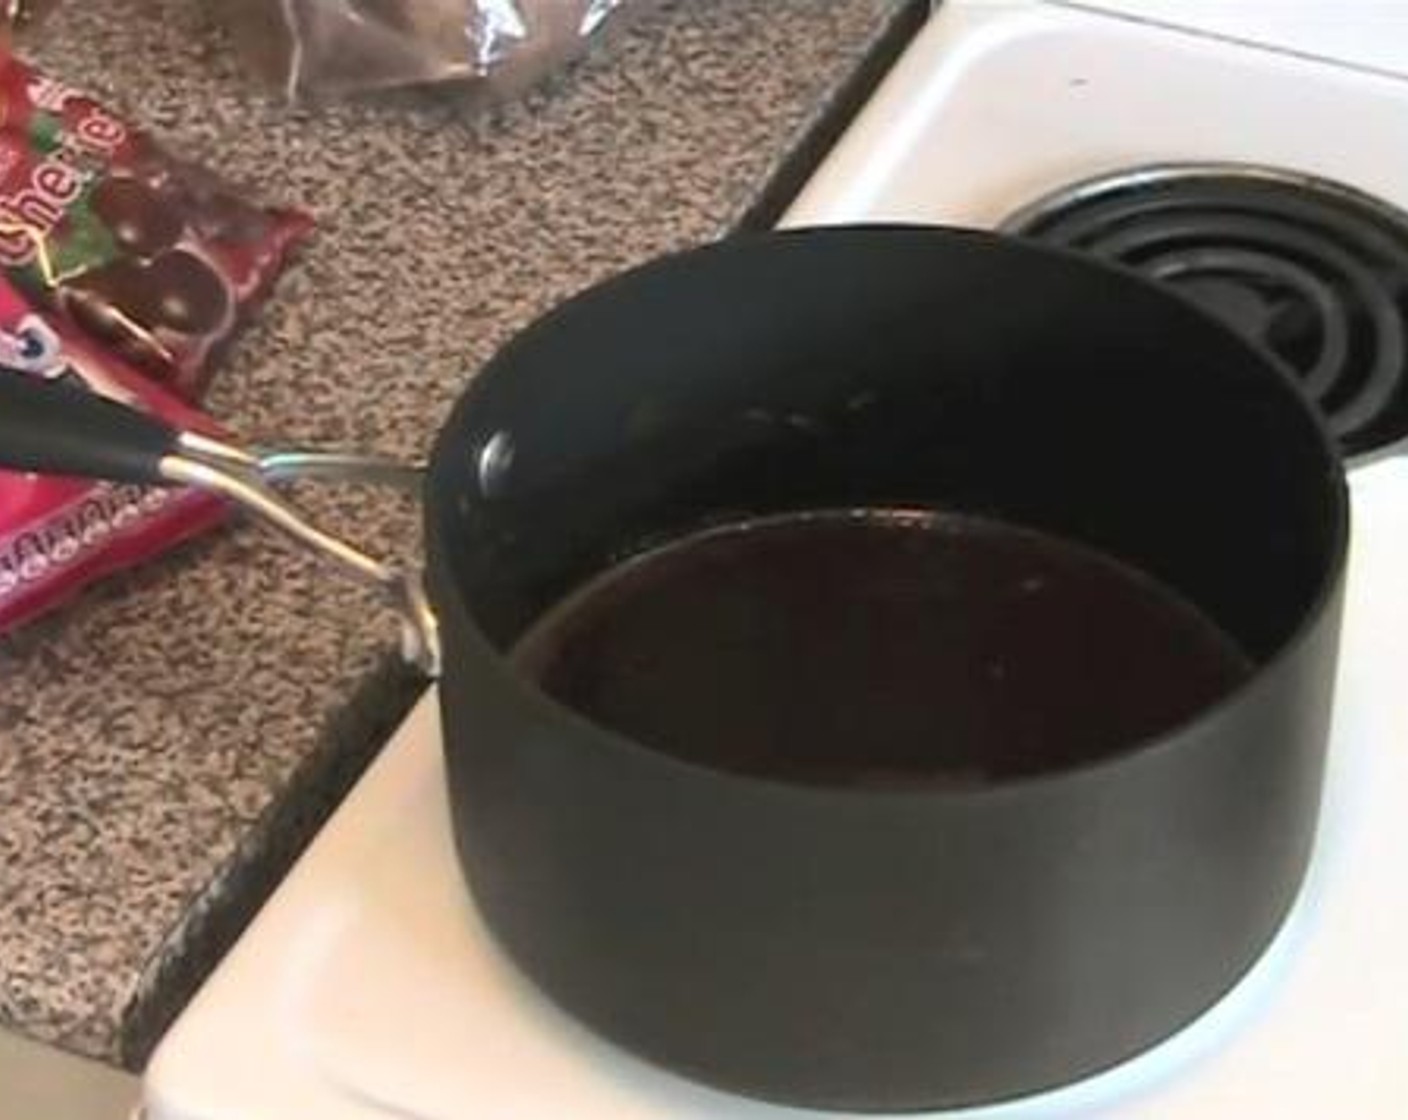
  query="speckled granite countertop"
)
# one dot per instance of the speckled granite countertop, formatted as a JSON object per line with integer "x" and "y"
{"x": 169, "y": 742}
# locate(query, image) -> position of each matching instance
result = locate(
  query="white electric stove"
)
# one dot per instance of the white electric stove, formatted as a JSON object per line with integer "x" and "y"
{"x": 368, "y": 988}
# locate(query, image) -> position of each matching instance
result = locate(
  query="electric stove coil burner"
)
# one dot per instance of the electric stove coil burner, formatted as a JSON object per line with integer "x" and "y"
{"x": 1313, "y": 270}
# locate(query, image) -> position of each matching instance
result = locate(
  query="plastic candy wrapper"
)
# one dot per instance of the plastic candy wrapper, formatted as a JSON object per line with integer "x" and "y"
{"x": 57, "y": 535}
{"x": 313, "y": 48}
{"x": 156, "y": 259}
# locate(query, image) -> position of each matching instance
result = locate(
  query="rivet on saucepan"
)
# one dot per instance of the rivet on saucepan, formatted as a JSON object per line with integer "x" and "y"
{"x": 495, "y": 458}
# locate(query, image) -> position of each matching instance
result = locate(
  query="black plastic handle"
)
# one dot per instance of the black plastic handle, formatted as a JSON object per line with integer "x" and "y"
{"x": 50, "y": 427}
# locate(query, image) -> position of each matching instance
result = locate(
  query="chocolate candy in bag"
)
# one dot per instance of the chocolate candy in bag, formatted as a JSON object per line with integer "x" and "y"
{"x": 57, "y": 535}
{"x": 155, "y": 258}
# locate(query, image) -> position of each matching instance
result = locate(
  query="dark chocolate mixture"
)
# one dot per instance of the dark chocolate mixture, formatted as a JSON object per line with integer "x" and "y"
{"x": 886, "y": 647}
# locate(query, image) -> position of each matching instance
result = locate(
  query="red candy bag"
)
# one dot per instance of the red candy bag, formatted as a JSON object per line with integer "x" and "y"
{"x": 155, "y": 258}
{"x": 57, "y": 534}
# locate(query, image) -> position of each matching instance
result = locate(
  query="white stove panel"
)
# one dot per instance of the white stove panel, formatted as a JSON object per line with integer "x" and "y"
{"x": 1372, "y": 34}
{"x": 994, "y": 105}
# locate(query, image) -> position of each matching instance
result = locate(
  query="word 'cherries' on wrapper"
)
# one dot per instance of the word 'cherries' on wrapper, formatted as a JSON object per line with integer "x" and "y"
{"x": 57, "y": 535}
{"x": 155, "y": 258}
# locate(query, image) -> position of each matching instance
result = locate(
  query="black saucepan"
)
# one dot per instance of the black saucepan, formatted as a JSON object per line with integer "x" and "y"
{"x": 857, "y": 948}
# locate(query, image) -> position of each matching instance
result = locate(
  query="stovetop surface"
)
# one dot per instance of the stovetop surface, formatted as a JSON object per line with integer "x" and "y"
{"x": 997, "y": 103}
{"x": 1369, "y": 34}
{"x": 369, "y": 987}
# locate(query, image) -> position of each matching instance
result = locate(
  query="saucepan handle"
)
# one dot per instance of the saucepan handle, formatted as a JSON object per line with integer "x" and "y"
{"x": 47, "y": 427}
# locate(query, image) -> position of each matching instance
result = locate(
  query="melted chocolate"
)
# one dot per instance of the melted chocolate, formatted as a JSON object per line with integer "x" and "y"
{"x": 887, "y": 647}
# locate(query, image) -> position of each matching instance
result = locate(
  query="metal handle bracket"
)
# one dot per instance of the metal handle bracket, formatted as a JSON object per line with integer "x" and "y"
{"x": 247, "y": 479}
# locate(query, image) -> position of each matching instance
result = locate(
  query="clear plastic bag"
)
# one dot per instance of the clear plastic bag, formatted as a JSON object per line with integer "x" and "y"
{"x": 21, "y": 13}
{"x": 319, "y": 48}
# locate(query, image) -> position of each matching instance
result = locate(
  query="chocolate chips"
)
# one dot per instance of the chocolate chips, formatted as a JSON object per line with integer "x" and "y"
{"x": 141, "y": 221}
{"x": 58, "y": 535}
{"x": 189, "y": 296}
{"x": 156, "y": 258}
{"x": 116, "y": 261}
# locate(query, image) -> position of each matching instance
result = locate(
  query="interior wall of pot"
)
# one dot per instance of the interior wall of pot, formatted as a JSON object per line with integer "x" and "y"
{"x": 887, "y": 367}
